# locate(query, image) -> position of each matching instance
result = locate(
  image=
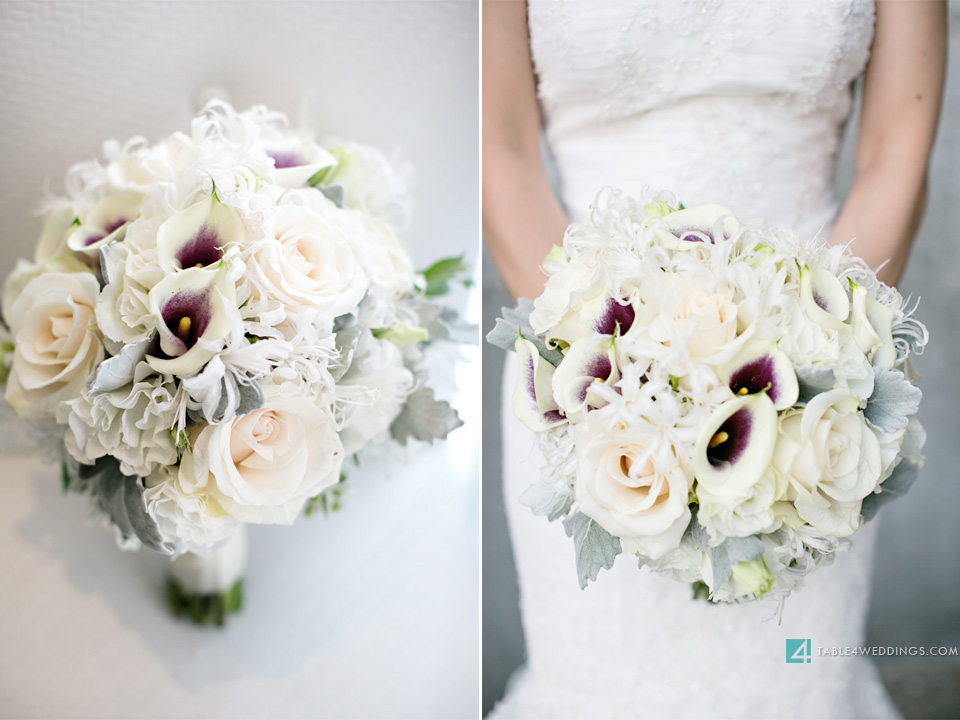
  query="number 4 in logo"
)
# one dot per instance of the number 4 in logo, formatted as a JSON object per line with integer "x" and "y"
{"x": 799, "y": 651}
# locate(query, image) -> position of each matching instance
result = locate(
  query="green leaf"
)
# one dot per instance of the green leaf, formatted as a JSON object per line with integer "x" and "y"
{"x": 595, "y": 547}
{"x": 438, "y": 276}
{"x": 330, "y": 500}
{"x": 325, "y": 176}
{"x": 403, "y": 334}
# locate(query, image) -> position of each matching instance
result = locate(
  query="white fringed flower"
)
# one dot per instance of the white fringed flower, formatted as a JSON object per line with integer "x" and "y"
{"x": 187, "y": 522}
{"x": 132, "y": 423}
{"x": 372, "y": 391}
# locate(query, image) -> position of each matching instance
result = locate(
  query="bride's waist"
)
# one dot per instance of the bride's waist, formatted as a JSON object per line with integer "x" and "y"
{"x": 761, "y": 160}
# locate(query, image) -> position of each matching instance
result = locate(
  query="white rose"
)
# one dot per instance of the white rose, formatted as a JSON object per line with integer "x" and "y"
{"x": 831, "y": 460}
{"x": 691, "y": 312}
{"x": 262, "y": 467}
{"x": 383, "y": 256}
{"x": 187, "y": 522}
{"x": 632, "y": 484}
{"x": 307, "y": 263}
{"x": 742, "y": 514}
{"x": 55, "y": 347}
{"x": 373, "y": 391}
{"x": 123, "y": 311}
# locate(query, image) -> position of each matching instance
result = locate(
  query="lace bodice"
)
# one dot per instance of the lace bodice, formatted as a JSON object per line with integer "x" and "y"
{"x": 736, "y": 101}
{"x": 741, "y": 103}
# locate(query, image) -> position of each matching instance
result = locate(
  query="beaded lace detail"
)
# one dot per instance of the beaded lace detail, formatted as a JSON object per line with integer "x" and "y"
{"x": 736, "y": 102}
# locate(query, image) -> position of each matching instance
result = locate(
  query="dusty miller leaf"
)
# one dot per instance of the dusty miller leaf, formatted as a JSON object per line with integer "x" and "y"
{"x": 121, "y": 497}
{"x": 595, "y": 547}
{"x": 724, "y": 556}
{"x": 545, "y": 501}
{"x": 900, "y": 480}
{"x": 813, "y": 381}
{"x": 333, "y": 193}
{"x": 346, "y": 339}
{"x": 445, "y": 324}
{"x": 893, "y": 400}
{"x": 117, "y": 371}
{"x": 423, "y": 417}
{"x": 516, "y": 322}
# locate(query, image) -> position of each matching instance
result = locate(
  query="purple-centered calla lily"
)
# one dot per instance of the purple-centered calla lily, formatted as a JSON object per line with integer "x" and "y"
{"x": 823, "y": 297}
{"x": 736, "y": 444}
{"x": 600, "y": 315}
{"x": 588, "y": 361}
{"x": 533, "y": 400}
{"x": 761, "y": 367}
{"x": 704, "y": 223}
{"x": 297, "y": 160}
{"x": 195, "y": 311}
{"x": 106, "y": 222}
{"x": 196, "y": 237}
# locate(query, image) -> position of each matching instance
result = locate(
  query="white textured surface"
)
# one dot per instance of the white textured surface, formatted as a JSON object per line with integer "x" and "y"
{"x": 371, "y": 612}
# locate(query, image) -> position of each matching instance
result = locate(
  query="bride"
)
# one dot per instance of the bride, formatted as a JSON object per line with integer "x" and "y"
{"x": 740, "y": 102}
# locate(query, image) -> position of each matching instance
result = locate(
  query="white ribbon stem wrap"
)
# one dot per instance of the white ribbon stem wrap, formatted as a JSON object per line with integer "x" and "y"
{"x": 214, "y": 573}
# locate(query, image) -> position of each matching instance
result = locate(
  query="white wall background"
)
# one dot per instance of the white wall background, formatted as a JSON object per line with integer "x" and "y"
{"x": 369, "y": 613}
{"x": 917, "y": 582}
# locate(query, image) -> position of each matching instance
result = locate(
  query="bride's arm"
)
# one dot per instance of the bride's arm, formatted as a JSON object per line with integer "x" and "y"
{"x": 902, "y": 91}
{"x": 521, "y": 216}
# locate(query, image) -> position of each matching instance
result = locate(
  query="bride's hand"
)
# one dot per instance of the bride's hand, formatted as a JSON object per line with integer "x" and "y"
{"x": 522, "y": 218}
{"x": 902, "y": 90}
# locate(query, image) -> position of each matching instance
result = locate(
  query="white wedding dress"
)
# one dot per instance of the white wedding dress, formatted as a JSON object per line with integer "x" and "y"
{"x": 740, "y": 103}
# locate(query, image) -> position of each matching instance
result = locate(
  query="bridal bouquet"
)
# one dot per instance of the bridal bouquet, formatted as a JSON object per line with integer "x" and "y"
{"x": 726, "y": 401}
{"x": 211, "y": 326}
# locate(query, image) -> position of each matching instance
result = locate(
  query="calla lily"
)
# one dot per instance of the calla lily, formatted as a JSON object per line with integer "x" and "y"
{"x": 107, "y": 221}
{"x": 705, "y": 223}
{"x": 823, "y": 297}
{"x": 872, "y": 325}
{"x": 196, "y": 237}
{"x": 602, "y": 315}
{"x": 588, "y": 361}
{"x": 736, "y": 444}
{"x": 195, "y": 311}
{"x": 297, "y": 160}
{"x": 761, "y": 367}
{"x": 533, "y": 400}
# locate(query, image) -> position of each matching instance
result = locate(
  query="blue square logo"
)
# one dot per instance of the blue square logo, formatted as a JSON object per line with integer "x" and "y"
{"x": 799, "y": 651}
